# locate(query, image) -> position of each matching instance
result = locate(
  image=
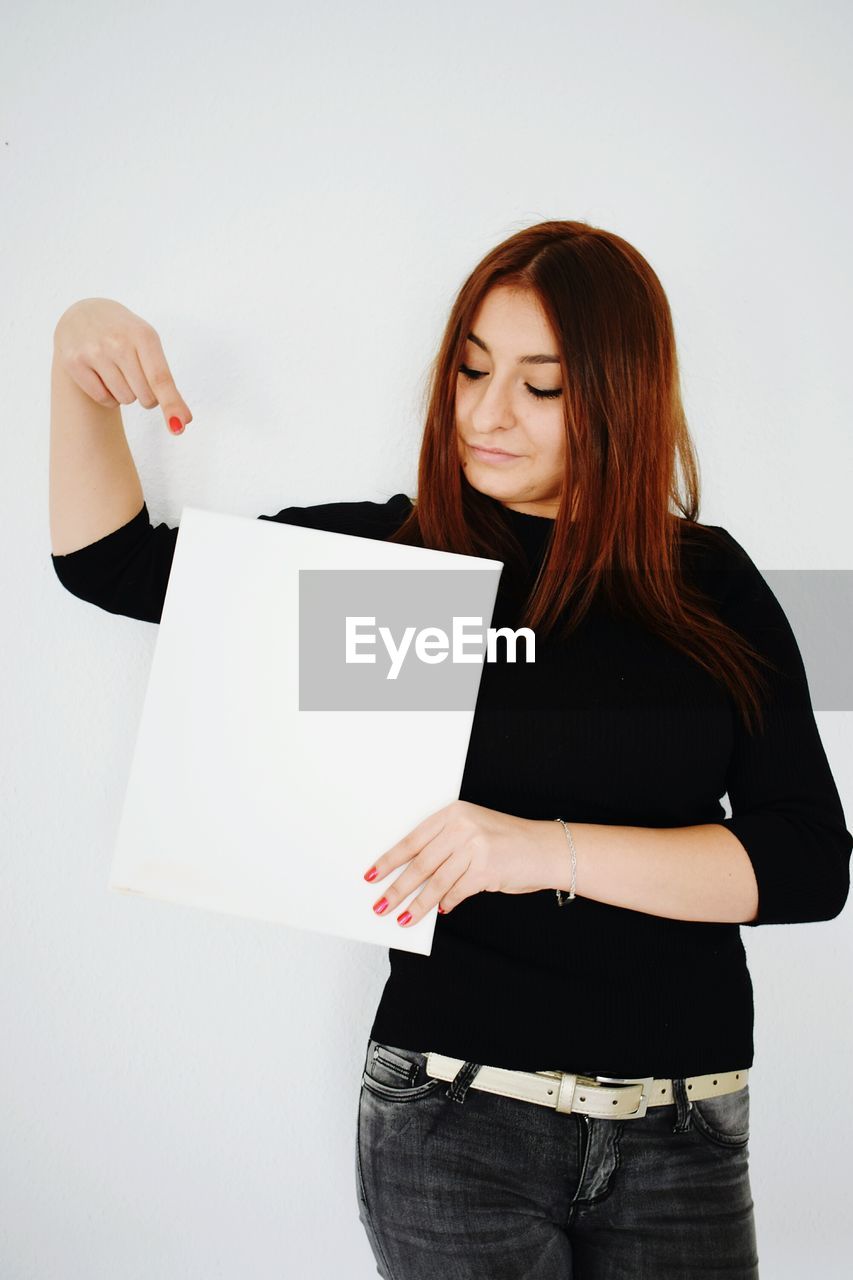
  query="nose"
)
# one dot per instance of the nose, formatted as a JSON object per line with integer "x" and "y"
{"x": 492, "y": 410}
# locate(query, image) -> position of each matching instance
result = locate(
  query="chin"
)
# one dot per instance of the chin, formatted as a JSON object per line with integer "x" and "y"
{"x": 483, "y": 479}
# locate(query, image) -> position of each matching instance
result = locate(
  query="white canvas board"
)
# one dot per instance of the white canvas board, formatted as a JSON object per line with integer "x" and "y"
{"x": 239, "y": 802}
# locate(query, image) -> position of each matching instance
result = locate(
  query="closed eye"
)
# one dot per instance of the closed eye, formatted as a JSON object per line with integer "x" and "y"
{"x": 473, "y": 375}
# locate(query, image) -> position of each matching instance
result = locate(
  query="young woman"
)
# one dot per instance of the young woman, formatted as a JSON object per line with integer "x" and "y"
{"x": 561, "y": 1087}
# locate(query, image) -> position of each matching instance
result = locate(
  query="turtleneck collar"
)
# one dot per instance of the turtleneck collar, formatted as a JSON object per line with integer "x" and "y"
{"x": 532, "y": 531}
{"x": 523, "y": 517}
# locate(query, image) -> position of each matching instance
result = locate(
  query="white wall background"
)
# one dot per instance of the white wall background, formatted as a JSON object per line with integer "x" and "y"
{"x": 291, "y": 195}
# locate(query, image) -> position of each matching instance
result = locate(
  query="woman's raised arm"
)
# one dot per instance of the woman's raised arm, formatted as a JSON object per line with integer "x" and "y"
{"x": 103, "y": 356}
{"x": 103, "y": 547}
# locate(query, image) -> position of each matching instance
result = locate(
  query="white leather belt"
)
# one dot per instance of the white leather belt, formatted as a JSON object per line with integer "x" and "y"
{"x": 609, "y": 1097}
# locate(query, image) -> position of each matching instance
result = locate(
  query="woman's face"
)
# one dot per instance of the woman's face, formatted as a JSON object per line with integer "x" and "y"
{"x": 510, "y": 356}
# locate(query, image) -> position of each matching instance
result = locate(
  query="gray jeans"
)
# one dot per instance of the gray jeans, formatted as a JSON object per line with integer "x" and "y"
{"x": 477, "y": 1186}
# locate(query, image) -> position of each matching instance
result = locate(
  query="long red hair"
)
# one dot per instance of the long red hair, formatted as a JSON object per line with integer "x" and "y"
{"x": 626, "y": 439}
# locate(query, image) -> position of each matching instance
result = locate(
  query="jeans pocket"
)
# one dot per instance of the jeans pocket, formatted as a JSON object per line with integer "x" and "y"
{"x": 396, "y": 1074}
{"x": 723, "y": 1118}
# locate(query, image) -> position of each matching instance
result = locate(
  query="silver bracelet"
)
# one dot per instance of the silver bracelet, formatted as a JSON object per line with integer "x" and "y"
{"x": 561, "y": 899}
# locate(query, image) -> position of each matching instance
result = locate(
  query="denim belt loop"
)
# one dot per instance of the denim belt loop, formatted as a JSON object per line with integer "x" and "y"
{"x": 683, "y": 1105}
{"x": 462, "y": 1081}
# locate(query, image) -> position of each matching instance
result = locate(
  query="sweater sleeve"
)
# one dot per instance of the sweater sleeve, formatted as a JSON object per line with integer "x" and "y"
{"x": 786, "y": 809}
{"x": 127, "y": 571}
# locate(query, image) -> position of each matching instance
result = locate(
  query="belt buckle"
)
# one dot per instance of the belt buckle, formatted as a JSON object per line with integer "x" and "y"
{"x": 645, "y": 1081}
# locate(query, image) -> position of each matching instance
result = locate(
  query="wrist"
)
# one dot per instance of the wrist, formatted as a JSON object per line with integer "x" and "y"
{"x": 557, "y": 857}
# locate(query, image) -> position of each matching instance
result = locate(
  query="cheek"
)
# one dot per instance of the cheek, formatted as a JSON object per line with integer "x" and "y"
{"x": 550, "y": 442}
{"x": 558, "y": 439}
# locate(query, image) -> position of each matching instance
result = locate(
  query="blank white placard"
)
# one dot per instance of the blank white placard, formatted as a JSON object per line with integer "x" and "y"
{"x": 239, "y": 802}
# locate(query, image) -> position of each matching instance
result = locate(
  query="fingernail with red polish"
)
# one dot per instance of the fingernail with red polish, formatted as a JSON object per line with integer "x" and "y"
{"x": 371, "y": 874}
{"x": 175, "y": 425}
{"x": 380, "y": 906}
{"x": 404, "y": 918}
{"x": 441, "y": 911}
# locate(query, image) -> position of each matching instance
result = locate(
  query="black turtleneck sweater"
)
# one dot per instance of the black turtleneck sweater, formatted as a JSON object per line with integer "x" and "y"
{"x": 610, "y": 726}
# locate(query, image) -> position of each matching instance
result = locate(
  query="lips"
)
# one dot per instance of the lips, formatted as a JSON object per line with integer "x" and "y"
{"x": 499, "y": 453}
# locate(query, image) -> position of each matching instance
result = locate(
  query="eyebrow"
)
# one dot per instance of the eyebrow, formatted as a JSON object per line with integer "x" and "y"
{"x": 540, "y": 359}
